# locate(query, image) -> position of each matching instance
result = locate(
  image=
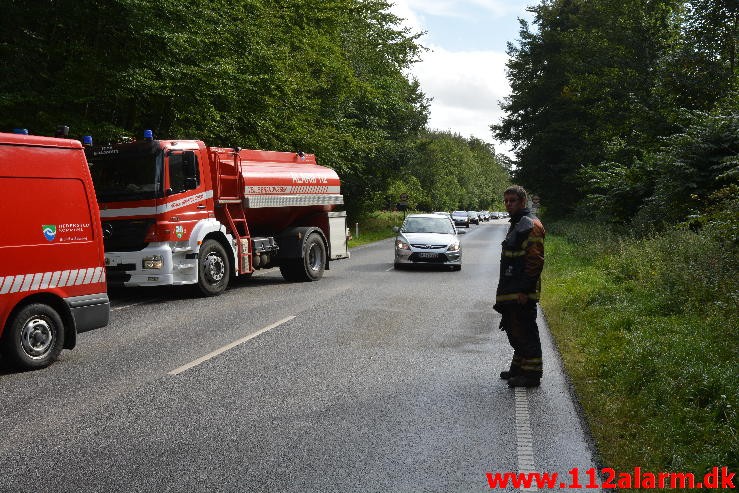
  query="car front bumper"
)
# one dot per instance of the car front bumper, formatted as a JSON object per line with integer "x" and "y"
{"x": 433, "y": 257}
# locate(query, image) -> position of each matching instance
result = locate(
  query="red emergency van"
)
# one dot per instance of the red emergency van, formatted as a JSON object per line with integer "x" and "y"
{"x": 52, "y": 271}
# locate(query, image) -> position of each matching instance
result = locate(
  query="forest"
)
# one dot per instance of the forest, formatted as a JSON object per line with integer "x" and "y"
{"x": 322, "y": 76}
{"x": 627, "y": 110}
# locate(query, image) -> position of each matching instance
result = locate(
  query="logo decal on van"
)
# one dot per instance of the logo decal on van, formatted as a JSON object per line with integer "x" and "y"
{"x": 179, "y": 231}
{"x": 49, "y": 231}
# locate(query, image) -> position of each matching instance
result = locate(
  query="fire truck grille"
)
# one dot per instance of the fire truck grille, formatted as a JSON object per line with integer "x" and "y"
{"x": 126, "y": 235}
{"x": 116, "y": 278}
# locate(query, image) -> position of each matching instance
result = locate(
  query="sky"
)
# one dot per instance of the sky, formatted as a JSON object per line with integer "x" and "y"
{"x": 463, "y": 71}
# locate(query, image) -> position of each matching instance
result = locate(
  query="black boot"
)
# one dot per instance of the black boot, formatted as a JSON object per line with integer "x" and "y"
{"x": 523, "y": 381}
{"x": 513, "y": 370}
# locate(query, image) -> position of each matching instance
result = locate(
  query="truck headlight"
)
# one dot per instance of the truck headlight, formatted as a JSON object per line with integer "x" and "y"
{"x": 152, "y": 262}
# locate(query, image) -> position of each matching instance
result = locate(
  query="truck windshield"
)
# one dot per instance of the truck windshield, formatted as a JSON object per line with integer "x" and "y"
{"x": 126, "y": 172}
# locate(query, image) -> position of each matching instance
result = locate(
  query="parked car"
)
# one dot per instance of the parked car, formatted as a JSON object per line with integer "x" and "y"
{"x": 474, "y": 218}
{"x": 428, "y": 239}
{"x": 461, "y": 218}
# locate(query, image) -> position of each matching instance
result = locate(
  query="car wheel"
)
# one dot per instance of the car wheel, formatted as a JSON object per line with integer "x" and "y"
{"x": 34, "y": 338}
{"x": 214, "y": 269}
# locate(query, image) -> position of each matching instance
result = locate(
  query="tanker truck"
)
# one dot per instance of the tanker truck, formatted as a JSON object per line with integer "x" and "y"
{"x": 179, "y": 212}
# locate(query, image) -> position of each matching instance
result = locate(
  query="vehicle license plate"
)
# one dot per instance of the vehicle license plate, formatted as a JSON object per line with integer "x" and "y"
{"x": 112, "y": 261}
{"x": 427, "y": 255}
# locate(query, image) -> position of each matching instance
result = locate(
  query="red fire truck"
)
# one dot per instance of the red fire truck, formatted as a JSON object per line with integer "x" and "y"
{"x": 178, "y": 212}
{"x": 52, "y": 276}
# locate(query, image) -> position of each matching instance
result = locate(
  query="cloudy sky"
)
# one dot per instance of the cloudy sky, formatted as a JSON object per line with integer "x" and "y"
{"x": 464, "y": 70}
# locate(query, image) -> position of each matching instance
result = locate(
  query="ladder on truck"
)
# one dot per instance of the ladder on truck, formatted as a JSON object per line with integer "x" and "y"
{"x": 228, "y": 194}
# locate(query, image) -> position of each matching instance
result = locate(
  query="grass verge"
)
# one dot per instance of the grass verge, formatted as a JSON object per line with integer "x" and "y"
{"x": 374, "y": 226}
{"x": 649, "y": 333}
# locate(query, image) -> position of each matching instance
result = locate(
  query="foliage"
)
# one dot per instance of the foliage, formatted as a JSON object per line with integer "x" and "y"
{"x": 606, "y": 94}
{"x": 322, "y": 76}
{"x": 458, "y": 173}
{"x": 636, "y": 317}
{"x": 374, "y": 226}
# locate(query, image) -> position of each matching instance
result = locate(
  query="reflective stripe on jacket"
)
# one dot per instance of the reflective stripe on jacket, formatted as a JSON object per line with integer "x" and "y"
{"x": 522, "y": 259}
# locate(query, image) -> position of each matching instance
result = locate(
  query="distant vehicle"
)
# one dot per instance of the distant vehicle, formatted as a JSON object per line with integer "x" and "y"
{"x": 474, "y": 218}
{"x": 445, "y": 214}
{"x": 52, "y": 278}
{"x": 461, "y": 218}
{"x": 427, "y": 239}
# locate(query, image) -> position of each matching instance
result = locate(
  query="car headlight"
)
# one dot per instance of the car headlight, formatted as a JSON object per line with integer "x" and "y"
{"x": 401, "y": 245}
{"x": 454, "y": 247}
{"x": 152, "y": 262}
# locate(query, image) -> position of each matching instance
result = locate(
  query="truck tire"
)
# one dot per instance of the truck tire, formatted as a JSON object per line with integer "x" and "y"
{"x": 311, "y": 266}
{"x": 34, "y": 337}
{"x": 214, "y": 269}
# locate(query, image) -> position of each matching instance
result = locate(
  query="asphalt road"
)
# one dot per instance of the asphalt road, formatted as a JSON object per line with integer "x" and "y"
{"x": 369, "y": 380}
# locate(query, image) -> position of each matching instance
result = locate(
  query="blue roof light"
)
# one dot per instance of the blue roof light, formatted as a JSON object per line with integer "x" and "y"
{"x": 21, "y": 131}
{"x": 87, "y": 140}
{"x": 148, "y": 134}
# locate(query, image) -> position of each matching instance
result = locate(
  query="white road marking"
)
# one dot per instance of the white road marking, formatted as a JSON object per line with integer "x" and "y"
{"x": 225, "y": 348}
{"x": 133, "y": 304}
{"x": 388, "y": 270}
{"x": 524, "y": 439}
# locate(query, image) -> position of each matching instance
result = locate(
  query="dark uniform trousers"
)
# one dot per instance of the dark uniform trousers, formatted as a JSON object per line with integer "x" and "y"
{"x": 519, "y": 323}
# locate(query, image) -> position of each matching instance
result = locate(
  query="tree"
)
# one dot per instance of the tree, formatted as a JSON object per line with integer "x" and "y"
{"x": 583, "y": 80}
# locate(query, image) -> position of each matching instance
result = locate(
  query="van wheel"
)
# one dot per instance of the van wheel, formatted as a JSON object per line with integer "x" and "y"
{"x": 34, "y": 337}
{"x": 214, "y": 269}
{"x": 311, "y": 266}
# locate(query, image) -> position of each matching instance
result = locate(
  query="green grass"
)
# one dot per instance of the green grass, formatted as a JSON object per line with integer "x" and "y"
{"x": 649, "y": 332}
{"x": 373, "y": 227}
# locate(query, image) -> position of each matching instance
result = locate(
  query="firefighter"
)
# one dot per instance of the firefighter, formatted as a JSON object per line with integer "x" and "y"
{"x": 521, "y": 263}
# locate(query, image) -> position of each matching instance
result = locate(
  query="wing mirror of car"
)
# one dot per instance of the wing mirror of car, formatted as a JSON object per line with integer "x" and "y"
{"x": 396, "y": 229}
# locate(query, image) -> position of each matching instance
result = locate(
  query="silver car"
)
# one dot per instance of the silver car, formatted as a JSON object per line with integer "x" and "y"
{"x": 429, "y": 239}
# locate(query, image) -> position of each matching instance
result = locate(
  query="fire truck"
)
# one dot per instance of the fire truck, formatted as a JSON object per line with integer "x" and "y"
{"x": 178, "y": 212}
{"x": 52, "y": 276}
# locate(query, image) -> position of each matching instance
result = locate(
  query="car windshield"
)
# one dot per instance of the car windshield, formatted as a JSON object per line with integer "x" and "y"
{"x": 428, "y": 225}
{"x": 459, "y": 213}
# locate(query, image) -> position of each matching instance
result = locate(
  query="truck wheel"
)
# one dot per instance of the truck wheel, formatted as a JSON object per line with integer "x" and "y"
{"x": 34, "y": 337}
{"x": 310, "y": 267}
{"x": 214, "y": 269}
